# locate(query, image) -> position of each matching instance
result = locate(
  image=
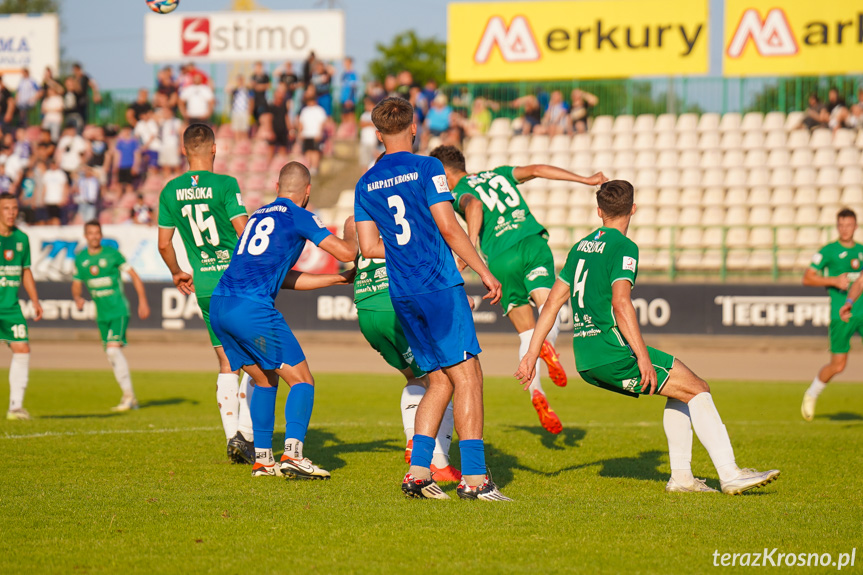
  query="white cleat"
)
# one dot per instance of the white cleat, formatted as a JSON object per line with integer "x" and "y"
{"x": 126, "y": 404}
{"x": 748, "y": 479}
{"x": 697, "y": 486}
{"x": 807, "y": 409}
{"x": 261, "y": 470}
{"x": 301, "y": 469}
{"x": 19, "y": 414}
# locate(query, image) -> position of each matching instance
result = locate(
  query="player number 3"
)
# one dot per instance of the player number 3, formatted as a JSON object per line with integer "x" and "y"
{"x": 260, "y": 239}
{"x": 399, "y": 205}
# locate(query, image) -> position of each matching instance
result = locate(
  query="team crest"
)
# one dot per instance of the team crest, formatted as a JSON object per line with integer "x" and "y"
{"x": 8, "y": 254}
{"x": 194, "y": 181}
{"x": 599, "y": 234}
{"x": 855, "y": 264}
{"x": 94, "y": 270}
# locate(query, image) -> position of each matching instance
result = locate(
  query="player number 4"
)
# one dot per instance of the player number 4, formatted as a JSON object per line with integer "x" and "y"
{"x": 260, "y": 239}
{"x": 200, "y": 224}
{"x": 399, "y": 205}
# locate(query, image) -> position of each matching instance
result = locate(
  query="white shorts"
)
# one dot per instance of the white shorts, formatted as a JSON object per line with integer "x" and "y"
{"x": 239, "y": 122}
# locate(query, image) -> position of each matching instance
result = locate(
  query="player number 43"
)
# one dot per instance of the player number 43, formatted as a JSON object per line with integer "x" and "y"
{"x": 260, "y": 240}
{"x": 491, "y": 198}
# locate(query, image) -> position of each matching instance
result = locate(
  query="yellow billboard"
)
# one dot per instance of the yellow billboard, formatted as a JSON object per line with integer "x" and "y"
{"x": 792, "y": 37}
{"x": 585, "y": 39}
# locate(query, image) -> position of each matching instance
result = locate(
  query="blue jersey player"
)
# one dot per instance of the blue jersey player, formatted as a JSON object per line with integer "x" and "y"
{"x": 253, "y": 332}
{"x": 403, "y": 208}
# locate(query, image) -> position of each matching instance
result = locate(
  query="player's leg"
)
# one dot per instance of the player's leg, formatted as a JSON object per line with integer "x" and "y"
{"x": 244, "y": 396}
{"x": 263, "y": 416}
{"x": 113, "y": 332}
{"x": 841, "y": 333}
{"x": 538, "y": 281}
{"x": 298, "y": 414}
{"x": 13, "y": 330}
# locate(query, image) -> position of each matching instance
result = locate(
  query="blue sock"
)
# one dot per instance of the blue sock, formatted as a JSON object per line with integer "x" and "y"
{"x": 298, "y": 410}
{"x": 472, "y": 456}
{"x": 263, "y": 409}
{"x": 421, "y": 455}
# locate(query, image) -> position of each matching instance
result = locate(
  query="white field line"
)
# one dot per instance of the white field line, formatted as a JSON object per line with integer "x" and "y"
{"x": 104, "y": 432}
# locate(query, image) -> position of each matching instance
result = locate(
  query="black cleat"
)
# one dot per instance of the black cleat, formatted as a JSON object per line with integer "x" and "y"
{"x": 240, "y": 450}
{"x": 488, "y": 491}
{"x": 422, "y": 488}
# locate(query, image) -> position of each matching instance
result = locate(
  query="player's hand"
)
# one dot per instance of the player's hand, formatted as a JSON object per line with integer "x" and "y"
{"x": 349, "y": 275}
{"x": 841, "y": 282}
{"x": 526, "y": 369}
{"x": 143, "y": 310}
{"x": 648, "y": 376}
{"x": 460, "y": 263}
{"x": 37, "y": 311}
{"x": 183, "y": 281}
{"x": 470, "y": 303}
{"x": 493, "y": 287}
{"x": 845, "y": 312}
{"x": 79, "y": 303}
{"x": 596, "y": 179}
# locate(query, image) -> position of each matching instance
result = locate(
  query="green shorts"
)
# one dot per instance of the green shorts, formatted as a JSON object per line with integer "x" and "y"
{"x": 841, "y": 333}
{"x": 13, "y": 328}
{"x": 204, "y": 304}
{"x": 113, "y": 329}
{"x": 623, "y": 375}
{"x": 528, "y": 266}
{"x": 383, "y": 331}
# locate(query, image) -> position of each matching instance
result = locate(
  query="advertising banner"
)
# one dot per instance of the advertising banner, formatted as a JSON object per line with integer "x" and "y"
{"x": 29, "y": 41}
{"x": 505, "y": 41}
{"x": 793, "y": 37}
{"x": 277, "y": 35}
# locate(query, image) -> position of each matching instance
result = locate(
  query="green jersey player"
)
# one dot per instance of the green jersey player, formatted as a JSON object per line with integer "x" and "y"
{"x": 835, "y": 266}
{"x": 516, "y": 246}
{"x": 100, "y": 267}
{"x": 610, "y": 353}
{"x": 14, "y": 273}
{"x": 207, "y": 210}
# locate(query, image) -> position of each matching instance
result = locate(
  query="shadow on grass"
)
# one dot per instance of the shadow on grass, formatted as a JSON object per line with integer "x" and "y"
{"x": 569, "y": 437}
{"x": 841, "y": 416}
{"x": 324, "y": 447}
{"x": 168, "y": 401}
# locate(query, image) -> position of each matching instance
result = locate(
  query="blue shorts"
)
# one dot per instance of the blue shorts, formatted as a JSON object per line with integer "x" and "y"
{"x": 438, "y": 326}
{"x": 253, "y": 333}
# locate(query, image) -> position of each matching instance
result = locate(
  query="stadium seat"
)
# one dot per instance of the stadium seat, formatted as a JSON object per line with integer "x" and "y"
{"x": 708, "y": 141}
{"x": 759, "y": 196}
{"x": 476, "y": 162}
{"x": 648, "y": 159}
{"x": 687, "y": 140}
{"x": 498, "y": 145}
{"x": 801, "y": 157}
{"x": 828, "y": 213}
{"x": 556, "y": 217}
{"x": 798, "y": 139}
{"x": 756, "y": 159}
{"x": 558, "y": 238}
{"x": 713, "y": 216}
{"x": 849, "y": 156}
{"x": 517, "y": 159}
{"x": 541, "y": 158}
{"x": 810, "y": 237}
{"x": 645, "y": 196}
{"x": 805, "y": 196}
{"x": 778, "y": 158}
{"x": 776, "y": 141}
{"x": 783, "y": 215}
{"x": 821, "y": 138}
{"x": 623, "y": 124}
{"x": 793, "y": 120}
{"x": 536, "y": 198}
{"x": 623, "y": 159}
{"x": 581, "y": 143}
{"x": 538, "y": 144}
{"x": 825, "y": 195}
{"x": 773, "y": 121}
{"x": 665, "y": 123}
{"x": 731, "y": 141}
{"x": 758, "y": 177}
{"x": 824, "y": 157}
{"x": 558, "y": 198}
{"x": 761, "y": 237}
{"x": 623, "y": 142}
{"x": 732, "y": 159}
{"x": 560, "y": 159}
{"x": 645, "y": 178}
{"x": 500, "y": 127}
{"x": 602, "y": 125}
{"x": 579, "y": 216}
{"x": 476, "y": 145}
{"x": 730, "y": 122}
{"x": 497, "y": 159}
{"x": 603, "y": 161}
{"x": 843, "y": 138}
{"x": 804, "y": 176}
{"x": 645, "y": 141}
{"x": 690, "y": 178}
{"x": 782, "y": 195}
{"x": 752, "y": 121}
{"x": 666, "y": 159}
{"x": 735, "y": 177}
{"x": 665, "y": 141}
{"x": 601, "y": 142}
{"x": 644, "y": 236}
{"x": 737, "y": 196}
{"x": 689, "y": 159}
{"x": 691, "y": 196}
{"x": 582, "y": 162}
{"x": 644, "y": 124}
{"x": 713, "y": 178}
{"x": 518, "y": 144}
{"x": 711, "y": 158}
{"x": 828, "y": 176}
{"x": 713, "y": 197}
{"x": 627, "y": 174}
{"x": 668, "y": 178}
{"x": 560, "y": 143}
{"x": 687, "y": 123}
{"x": 708, "y": 123}
{"x": 806, "y": 215}
{"x": 851, "y": 176}
{"x": 668, "y": 197}
{"x": 753, "y": 141}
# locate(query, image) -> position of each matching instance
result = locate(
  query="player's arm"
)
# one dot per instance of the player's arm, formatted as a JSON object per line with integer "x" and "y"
{"x": 526, "y": 173}
{"x": 371, "y": 243}
{"x": 239, "y": 224}
{"x": 143, "y": 306}
{"x": 181, "y": 279}
{"x": 304, "y": 281}
{"x": 457, "y": 240}
{"x": 627, "y": 323}
{"x": 556, "y": 298}
{"x": 813, "y": 278}
{"x": 853, "y": 294}
{"x": 472, "y": 210}
{"x": 78, "y": 293}
{"x": 30, "y": 287}
{"x": 343, "y": 249}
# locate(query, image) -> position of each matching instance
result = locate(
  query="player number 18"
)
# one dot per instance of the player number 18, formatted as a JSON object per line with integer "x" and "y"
{"x": 260, "y": 239}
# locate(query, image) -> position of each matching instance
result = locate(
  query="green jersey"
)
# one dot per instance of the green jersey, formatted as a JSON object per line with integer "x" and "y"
{"x": 16, "y": 256}
{"x": 834, "y": 260}
{"x": 372, "y": 285}
{"x": 592, "y": 266}
{"x": 101, "y": 273}
{"x": 506, "y": 218}
{"x": 201, "y": 205}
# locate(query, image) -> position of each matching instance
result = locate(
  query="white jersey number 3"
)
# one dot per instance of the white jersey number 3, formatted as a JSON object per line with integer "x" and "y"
{"x": 399, "y": 205}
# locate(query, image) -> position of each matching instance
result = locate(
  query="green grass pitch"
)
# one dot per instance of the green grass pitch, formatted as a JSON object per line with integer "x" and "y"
{"x": 83, "y": 490}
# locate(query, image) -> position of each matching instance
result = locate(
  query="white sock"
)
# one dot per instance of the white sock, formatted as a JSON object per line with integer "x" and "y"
{"x": 678, "y": 430}
{"x": 523, "y": 346}
{"x": 713, "y": 435}
{"x": 555, "y": 329}
{"x": 121, "y": 370}
{"x": 264, "y": 456}
{"x": 227, "y": 386}
{"x": 440, "y": 457}
{"x": 294, "y": 448}
{"x": 815, "y": 389}
{"x": 244, "y": 421}
{"x": 411, "y": 396}
{"x": 19, "y": 373}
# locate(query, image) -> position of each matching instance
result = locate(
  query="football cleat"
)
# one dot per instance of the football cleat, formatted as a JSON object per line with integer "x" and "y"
{"x": 697, "y": 486}
{"x": 549, "y": 355}
{"x": 301, "y": 469}
{"x": 748, "y": 479}
{"x": 261, "y": 470}
{"x": 547, "y": 417}
{"x": 422, "y": 488}
{"x": 241, "y": 450}
{"x": 408, "y": 450}
{"x": 807, "y": 409}
{"x": 19, "y": 414}
{"x": 126, "y": 404}
{"x": 448, "y": 474}
{"x": 488, "y": 491}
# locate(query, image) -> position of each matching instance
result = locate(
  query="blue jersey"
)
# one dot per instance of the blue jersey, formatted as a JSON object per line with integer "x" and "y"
{"x": 396, "y": 194}
{"x": 271, "y": 244}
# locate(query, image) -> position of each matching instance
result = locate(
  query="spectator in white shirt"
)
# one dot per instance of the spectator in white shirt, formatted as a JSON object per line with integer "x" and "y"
{"x": 52, "y": 112}
{"x": 170, "y": 128}
{"x": 25, "y": 98}
{"x": 311, "y": 128}
{"x": 89, "y": 191}
{"x": 196, "y": 102}
{"x": 147, "y": 132}
{"x": 70, "y": 151}
{"x": 55, "y": 192}
{"x": 241, "y": 108}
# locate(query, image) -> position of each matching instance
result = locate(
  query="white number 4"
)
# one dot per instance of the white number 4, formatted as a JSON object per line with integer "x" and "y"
{"x": 578, "y": 283}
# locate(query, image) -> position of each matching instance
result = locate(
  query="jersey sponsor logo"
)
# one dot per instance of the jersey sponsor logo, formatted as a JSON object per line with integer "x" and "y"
{"x": 440, "y": 184}
{"x": 771, "y": 36}
{"x": 629, "y": 263}
{"x": 318, "y": 221}
{"x": 9, "y": 282}
{"x": 394, "y": 181}
{"x": 8, "y": 254}
{"x": 186, "y": 194}
{"x": 761, "y": 311}
{"x": 817, "y": 259}
{"x": 629, "y": 384}
{"x": 537, "y": 273}
{"x": 196, "y": 37}
{"x": 843, "y": 255}
{"x": 102, "y": 282}
{"x": 516, "y": 42}
{"x": 223, "y": 254}
{"x": 240, "y": 200}
{"x": 590, "y": 247}
{"x": 380, "y": 273}
{"x": 267, "y": 210}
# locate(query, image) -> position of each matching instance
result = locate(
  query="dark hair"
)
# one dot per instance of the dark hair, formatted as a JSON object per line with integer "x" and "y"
{"x": 94, "y": 223}
{"x": 450, "y": 157}
{"x": 846, "y": 213}
{"x": 615, "y": 198}
{"x": 8, "y": 196}
{"x": 198, "y": 137}
{"x": 294, "y": 177}
{"x": 393, "y": 115}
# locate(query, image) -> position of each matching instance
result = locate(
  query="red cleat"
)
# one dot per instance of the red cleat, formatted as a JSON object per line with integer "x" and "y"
{"x": 408, "y": 449}
{"x": 547, "y": 417}
{"x": 548, "y": 354}
{"x": 445, "y": 474}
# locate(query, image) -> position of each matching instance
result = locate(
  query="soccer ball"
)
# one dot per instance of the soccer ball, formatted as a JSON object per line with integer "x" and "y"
{"x": 163, "y": 6}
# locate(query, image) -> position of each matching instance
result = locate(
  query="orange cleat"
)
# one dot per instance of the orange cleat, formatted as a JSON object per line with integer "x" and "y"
{"x": 408, "y": 449}
{"x": 547, "y": 417}
{"x": 445, "y": 474}
{"x": 548, "y": 354}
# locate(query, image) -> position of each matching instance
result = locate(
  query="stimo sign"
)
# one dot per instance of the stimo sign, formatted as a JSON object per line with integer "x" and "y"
{"x": 774, "y": 310}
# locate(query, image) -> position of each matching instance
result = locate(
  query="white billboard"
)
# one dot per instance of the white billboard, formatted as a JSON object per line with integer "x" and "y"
{"x": 28, "y": 41}
{"x": 244, "y": 36}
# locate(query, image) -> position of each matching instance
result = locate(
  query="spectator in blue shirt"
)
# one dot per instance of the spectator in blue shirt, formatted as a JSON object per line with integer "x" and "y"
{"x": 128, "y": 152}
